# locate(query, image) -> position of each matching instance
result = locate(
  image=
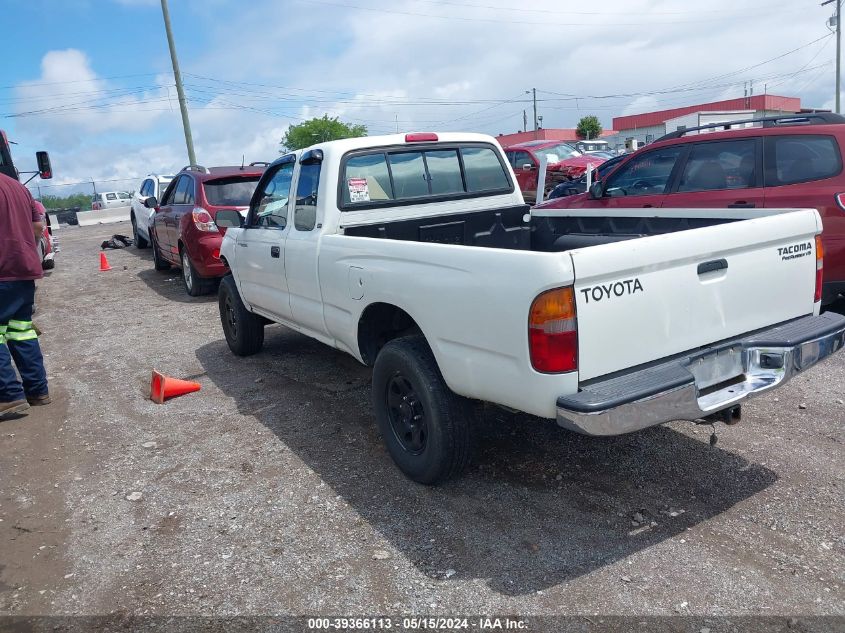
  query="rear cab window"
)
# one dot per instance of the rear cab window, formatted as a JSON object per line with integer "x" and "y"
{"x": 421, "y": 174}
{"x": 796, "y": 158}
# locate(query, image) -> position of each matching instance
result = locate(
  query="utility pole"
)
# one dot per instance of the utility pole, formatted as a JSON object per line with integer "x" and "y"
{"x": 536, "y": 124}
{"x": 524, "y": 121}
{"x": 183, "y": 105}
{"x": 838, "y": 45}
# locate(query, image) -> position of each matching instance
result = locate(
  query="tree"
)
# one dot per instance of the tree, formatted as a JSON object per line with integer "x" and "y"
{"x": 319, "y": 130}
{"x": 588, "y": 127}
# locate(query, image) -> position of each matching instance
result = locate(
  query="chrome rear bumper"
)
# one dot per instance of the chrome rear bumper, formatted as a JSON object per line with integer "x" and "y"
{"x": 704, "y": 382}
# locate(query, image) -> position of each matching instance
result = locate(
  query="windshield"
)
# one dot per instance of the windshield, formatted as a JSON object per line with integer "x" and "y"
{"x": 557, "y": 153}
{"x": 230, "y": 192}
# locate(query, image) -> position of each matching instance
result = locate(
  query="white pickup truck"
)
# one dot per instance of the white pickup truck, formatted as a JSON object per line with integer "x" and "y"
{"x": 417, "y": 255}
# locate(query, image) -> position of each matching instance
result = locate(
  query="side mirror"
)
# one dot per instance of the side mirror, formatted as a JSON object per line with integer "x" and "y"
{"x": 596, "y": 191}
{"x": 151, "y": 202}
{"x": 229, "y": 218}
{"x": 527, "y": 167}
{"x": 44, "y": 169}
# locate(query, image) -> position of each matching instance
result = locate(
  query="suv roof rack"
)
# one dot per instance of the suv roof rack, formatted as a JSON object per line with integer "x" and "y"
{"x": 198, "y": 168}
{"x": 259, "y": 163}
{"x": 808, "y": 118}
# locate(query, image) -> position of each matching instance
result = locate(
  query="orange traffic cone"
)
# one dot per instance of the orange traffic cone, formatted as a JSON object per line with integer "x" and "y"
{"x": 104, "y": 263}
{"x": 163, "y": 387}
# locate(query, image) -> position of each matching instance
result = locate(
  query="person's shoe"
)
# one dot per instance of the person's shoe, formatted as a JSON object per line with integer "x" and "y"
{"x": 37, "y": 401}
{"x": 16, "y": 406}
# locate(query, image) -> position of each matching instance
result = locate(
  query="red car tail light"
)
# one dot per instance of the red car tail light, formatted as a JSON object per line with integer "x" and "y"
{"x": 819, "y": 268}
{"x": 203, "y": 220}
{"x": 840, "y": 200}
{"x": 553, "y": 331}
{"x": 419, "y": 137}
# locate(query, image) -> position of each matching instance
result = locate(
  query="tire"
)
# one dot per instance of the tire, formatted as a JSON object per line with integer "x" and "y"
{"x": 140, "y": 242}
{"x": 244, "y": 330}
{"x": 408, "y": 384}
{"x": 48, "y": 264}
{"x": 195, "y": 285}
{"x": 158, "y": 261}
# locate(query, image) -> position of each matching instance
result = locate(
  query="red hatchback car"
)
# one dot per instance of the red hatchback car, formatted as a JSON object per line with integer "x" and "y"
{"x": 563, "y": 161}
{"x": 183, "y": 231}
{"x": 791, "y": 161}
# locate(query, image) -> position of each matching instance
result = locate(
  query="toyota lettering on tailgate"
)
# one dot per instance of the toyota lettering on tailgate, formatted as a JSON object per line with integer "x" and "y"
{"x": 613, "y": 289}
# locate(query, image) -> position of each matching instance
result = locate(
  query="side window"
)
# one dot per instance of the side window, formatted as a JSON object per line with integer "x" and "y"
{"x": 409, "y": 178}
{"x": 189, "y": 190}
{"x": 180, "y": 192}
{"x": 272, "y": 208}
{"x": 510, "y": 157}
{"x": 123, "y": 195}
{"x": 167, "y": 194}
{"x": 646, "y": 175}
{"x": 483, "y": 170}
{"x": 146, "y": 189}
{"x": 792, "y": 159}
{"x": 367, "y": 179}
{"x": 305, "y": 211}
{"x": 520, "y": 159}
{"x": 720, "y": 165}
{"x": 111, "y": 196}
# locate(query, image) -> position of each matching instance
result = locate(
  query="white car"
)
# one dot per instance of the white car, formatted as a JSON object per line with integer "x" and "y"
{"x": 416, "y": 255}
{"x": 110, "y": 200}
{"x": 153, "y": 185}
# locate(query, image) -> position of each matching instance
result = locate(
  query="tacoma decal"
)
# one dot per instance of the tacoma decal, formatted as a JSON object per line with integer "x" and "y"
{"x": 613, "y": 289}
{"x": 795, "y": 251}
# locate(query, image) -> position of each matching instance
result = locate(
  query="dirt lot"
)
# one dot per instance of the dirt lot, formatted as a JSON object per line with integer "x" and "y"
{"x": 269, "y": 491}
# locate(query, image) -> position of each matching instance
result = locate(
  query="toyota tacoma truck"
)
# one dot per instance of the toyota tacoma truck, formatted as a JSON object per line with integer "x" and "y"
{"x": 416, "y": 254}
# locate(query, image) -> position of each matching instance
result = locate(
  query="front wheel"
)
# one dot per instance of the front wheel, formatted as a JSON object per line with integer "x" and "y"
{"x": 426, "y": 427}
{"x": 244, "y": 330}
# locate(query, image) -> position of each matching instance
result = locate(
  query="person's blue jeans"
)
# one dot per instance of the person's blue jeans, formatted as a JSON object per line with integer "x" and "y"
{"x": 19, "y": 342}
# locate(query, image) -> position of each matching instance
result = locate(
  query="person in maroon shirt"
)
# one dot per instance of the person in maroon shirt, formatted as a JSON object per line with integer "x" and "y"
{"x": 21, "y": 224}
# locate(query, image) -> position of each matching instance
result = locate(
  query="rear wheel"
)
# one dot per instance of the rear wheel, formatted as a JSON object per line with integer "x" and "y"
{"x": 195, "y": 285}
{"x": 244, "y": 330}
{"x": 140, "y": 241}
{"x": 427, "y": 428}
{"x": 158, "y": 261}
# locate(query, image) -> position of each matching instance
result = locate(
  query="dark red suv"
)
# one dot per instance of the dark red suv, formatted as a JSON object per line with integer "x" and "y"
{"x": 183, "y": 231}
{"x": 791, "y": 161}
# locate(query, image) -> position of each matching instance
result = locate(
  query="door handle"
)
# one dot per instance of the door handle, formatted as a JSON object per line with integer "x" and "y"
{"x": 275, "y": 251}
{"x": 742, "y": 204}
{"x": 244, "y": 244}
{"x": 712, "y": 266}
{"x": 648, "y": 206}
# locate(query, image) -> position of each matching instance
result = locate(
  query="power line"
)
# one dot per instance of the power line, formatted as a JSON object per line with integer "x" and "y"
{"x": 503, "y": 21}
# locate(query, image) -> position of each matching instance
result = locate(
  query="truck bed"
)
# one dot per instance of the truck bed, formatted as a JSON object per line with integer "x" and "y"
{"x": 508, "y": 228}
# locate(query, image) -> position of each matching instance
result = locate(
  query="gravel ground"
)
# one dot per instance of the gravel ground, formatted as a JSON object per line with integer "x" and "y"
{"x": 269, "y": 491}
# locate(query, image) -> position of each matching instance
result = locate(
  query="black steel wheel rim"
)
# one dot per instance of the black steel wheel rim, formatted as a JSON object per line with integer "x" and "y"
{"x": 231, "y": 318}
{"x": 407, "y": 415}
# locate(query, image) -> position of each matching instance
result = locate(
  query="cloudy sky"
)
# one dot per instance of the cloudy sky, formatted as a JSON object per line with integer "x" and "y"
{"x": 91, "y": 81}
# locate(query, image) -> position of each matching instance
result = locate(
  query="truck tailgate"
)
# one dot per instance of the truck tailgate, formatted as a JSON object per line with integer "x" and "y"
{"x": 645, "y": 299}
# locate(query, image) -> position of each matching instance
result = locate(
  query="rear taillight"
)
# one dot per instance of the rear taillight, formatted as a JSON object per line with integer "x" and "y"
{"x": 203, "y": 220}
{"x": 840, "y": 200}
{"x": 819, "y": 268}
{"x": 553, "y": 331}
